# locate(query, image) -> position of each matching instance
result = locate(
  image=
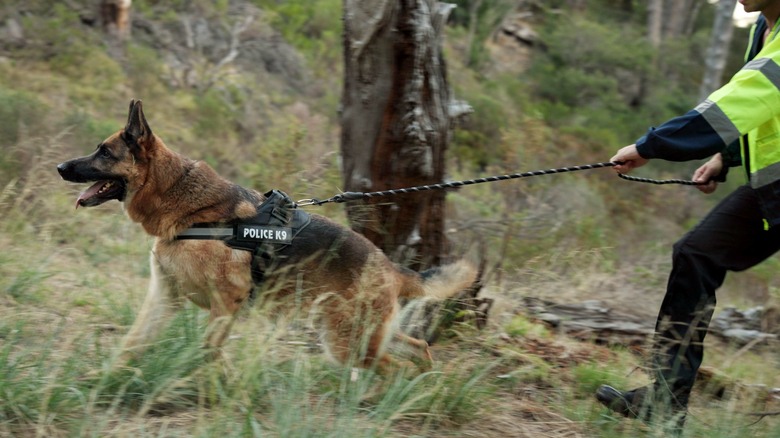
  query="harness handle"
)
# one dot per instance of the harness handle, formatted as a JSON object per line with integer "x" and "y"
{"x": 353, "y": 196}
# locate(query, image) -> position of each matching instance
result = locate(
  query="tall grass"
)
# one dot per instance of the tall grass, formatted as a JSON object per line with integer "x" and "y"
{"x": 67, "y": 386}
{"x": 72, "y": 281}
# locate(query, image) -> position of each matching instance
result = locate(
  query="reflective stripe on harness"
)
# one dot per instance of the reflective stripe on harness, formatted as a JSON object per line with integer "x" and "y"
{"x": 272, "y": 229}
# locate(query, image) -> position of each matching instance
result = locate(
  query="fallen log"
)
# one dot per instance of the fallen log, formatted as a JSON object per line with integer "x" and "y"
{"x": 590, "y": 320}
{"x": 595, "y": 321}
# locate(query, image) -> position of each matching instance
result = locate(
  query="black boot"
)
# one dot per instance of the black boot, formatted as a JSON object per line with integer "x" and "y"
{"x": 631, "y": 404}
{"x": 647, "y": 403}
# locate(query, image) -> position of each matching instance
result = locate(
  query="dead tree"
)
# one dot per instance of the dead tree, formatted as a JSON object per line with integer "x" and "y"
{"x": 396, "y": 118}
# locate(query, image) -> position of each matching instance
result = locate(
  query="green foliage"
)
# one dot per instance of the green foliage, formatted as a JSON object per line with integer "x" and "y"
{"x": 144, "y": 69}
{"x": 34, "y": 384}
{"x": 313, "y": 26}
{"x": 83, "y": 125}
{"x": 71, "y": 283}
{"x": 165, "y": 374}
{"x": 531, "y": 370}
{"x": 310, "y": 19}
{"x": 20, "y": 114}
{"x": 599, "y": 47}
{"x": 683, "y": 61}
{"x": 480, "y": 18}
{"x": 576, "y": 80}
{"x": 59, "y": 37}
{"x": 479, "y": 139}
{"x": 116, "y": 308}
{"x": 27, "y": 284}
{"x": 519, "y": 325}
{"x": 215, "y": 113}
{"x": 19, "y": 111}
{"x": 589, "y": 376}
{"x": 206, "y": 7}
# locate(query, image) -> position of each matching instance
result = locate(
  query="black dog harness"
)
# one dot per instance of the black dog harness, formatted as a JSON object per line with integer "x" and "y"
{"x": 272, "y": 229}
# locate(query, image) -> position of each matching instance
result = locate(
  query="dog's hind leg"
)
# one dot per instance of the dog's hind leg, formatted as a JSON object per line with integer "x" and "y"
{"x": 364, "y": 342}
{"x": 388, "y": 365}
{"x": 158, "y": 308}
{"x": 424, "y": 357}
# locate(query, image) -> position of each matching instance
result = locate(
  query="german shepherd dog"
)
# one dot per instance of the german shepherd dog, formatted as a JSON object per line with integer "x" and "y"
{"x": 355, "y": 286}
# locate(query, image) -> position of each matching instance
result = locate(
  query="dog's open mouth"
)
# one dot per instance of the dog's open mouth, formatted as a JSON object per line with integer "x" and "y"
{"x": 101, "y": 192}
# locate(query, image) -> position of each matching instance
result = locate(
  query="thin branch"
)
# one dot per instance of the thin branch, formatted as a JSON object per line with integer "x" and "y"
{"x": 235, "y": 33}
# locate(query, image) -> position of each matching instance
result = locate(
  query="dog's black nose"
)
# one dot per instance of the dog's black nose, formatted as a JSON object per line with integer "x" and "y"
{"x": 62, "y": 168}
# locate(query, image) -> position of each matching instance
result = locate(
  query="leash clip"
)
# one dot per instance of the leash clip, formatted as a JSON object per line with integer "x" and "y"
{"x": 308, "y": 201}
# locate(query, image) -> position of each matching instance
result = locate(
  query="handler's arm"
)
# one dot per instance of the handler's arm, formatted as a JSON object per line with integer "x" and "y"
{"x": 748, "y": 100}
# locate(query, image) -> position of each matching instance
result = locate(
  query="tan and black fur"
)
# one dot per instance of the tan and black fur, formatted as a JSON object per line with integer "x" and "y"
{"x": 355, "y": 285}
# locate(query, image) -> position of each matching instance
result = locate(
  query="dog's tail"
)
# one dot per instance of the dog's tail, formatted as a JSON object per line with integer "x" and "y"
{"x": 440, "y": 282}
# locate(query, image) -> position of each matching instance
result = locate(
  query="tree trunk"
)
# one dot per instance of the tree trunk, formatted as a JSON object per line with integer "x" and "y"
{"x": 396, "y": 123}
{"x": 717, "y": 52}
{"x": 115, "y": 17}
{"x": 655, "y": 13}
{"x": 679, "y": 16}
{"x": 691, "y": 19}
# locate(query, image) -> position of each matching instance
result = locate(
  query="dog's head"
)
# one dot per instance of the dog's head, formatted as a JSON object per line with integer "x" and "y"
{"x": 114, "y": 166}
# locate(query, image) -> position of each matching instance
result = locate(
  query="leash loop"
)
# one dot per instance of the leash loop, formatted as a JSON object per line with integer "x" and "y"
{"x": 353, "y": 196}
{"x": 684, "y": 182}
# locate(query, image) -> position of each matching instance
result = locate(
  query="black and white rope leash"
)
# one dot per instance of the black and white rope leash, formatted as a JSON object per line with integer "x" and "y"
{"x": 353, "y": 196}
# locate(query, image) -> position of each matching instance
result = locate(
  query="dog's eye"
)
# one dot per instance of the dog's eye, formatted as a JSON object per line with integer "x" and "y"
{"x": 104, "y": 152}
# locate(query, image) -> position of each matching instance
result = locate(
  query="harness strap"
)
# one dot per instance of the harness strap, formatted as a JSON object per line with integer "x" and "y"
{"x": 206, "y": 233}
{"x": 272, "y": 229}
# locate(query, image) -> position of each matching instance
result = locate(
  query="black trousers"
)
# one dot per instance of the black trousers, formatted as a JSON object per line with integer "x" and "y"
{"x": 730, "y": 238}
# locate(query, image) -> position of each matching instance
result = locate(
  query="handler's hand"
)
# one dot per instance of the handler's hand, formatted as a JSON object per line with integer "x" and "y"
{"x": 629, "y": 158}
{"x": 707, "y": 172}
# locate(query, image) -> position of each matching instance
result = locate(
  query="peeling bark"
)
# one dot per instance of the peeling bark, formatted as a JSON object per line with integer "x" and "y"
{"x": 396, "y": 122}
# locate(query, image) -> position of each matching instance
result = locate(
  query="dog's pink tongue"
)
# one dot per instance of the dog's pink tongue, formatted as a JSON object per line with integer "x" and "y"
{"x": 90, "y": 192}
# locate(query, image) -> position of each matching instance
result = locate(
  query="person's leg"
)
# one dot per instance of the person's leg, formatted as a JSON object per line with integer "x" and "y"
{"x": 730, "y": 238}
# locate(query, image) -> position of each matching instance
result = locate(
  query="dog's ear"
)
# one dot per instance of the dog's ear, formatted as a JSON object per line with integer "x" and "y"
{"x": 137, "y": 131}
{"x": 130, "y": 111}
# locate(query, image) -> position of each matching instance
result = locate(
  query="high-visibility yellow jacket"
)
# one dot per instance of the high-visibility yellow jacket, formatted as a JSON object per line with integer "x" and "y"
{"x": 743, "y": 115}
